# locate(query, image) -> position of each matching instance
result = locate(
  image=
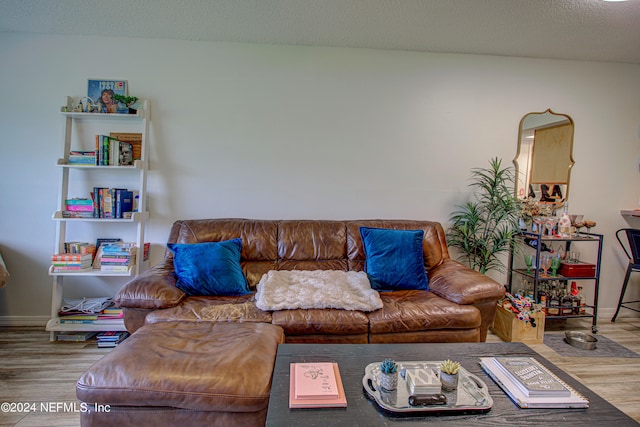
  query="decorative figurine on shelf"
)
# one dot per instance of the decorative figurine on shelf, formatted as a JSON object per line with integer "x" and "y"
{"x": 125, "y": 103}
{"x": 564, "y": 225}
{"x": 388, "y": 374}
{"x": 449, "y": 374}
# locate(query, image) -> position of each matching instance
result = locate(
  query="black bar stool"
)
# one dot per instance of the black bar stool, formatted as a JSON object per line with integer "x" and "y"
{"x": 633, "y": 241}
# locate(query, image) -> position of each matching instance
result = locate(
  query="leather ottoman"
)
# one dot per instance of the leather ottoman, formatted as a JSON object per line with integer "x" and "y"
{"x": 189, "y": 373}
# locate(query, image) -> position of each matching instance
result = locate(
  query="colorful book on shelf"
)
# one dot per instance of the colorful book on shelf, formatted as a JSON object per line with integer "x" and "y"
{"x": 79, "y": 208}
{"x": 112, "y": 335}
{"x": 104, "y": 240}
{"x": 115, "y": 268}
{"x": 70, "y": 257}
{"x": 124, "y": 202}
{"x": 66, "y": 262}
{"x": 82, "y": 158}
{"x": 92, "y": 318}
{"x": 135, "y": 139}
{"x": 323, "y": 391}
{"x": 514, "y": 391}
{"x": 78, "y": 201}
{"x": 80, "y": 248}
{"x": 125, "y": 153}
{"x": 111, "y": 151}
{"x": 111, "y": 338}
{"x": 112, "y": 202}
{"x": 119, "y": 248}
{"x": 79, "y": 317}
{"x": 76, "y": 214}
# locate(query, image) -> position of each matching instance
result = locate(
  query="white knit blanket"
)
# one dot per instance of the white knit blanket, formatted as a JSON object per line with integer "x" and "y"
{"x": 348, "y": 290}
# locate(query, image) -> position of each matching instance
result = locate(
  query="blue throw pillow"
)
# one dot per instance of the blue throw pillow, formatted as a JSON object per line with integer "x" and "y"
{"x": 394, "y": 259}
{"x": 211, "y": 268}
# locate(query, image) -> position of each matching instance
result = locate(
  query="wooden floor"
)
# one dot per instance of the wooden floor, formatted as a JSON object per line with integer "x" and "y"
{"x": 42, "y": 374}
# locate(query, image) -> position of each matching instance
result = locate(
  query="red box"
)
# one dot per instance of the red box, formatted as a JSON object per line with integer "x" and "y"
{"x": 577, "y": 269}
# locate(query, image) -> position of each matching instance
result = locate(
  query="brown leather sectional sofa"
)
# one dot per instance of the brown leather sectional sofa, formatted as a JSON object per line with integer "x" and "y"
{"x": 459, "y": 307}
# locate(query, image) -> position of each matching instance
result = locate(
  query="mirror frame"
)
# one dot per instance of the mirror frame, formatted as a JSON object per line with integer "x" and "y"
{"x": 517, "y": 165}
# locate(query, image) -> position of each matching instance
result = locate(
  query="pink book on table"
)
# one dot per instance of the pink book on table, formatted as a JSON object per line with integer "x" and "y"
{"x": 325, "y": 390}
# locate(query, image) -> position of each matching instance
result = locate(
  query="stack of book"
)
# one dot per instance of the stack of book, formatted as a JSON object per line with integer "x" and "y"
{"x": 117, "y": 257}
{"x": 102, "y": 318}
{"x": 531, "y": 385}
{"x": 67, "y": 262}
{"x": 78, "y": 208}
{"x": 90, "y": 311}
{"x": 111, "y": 339}
{"x": 83, "y": 158}
{"x": 316, "y": 385}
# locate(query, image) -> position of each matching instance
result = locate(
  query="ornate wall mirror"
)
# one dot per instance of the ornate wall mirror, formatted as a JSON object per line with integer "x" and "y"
{"x": 544, "y": 158}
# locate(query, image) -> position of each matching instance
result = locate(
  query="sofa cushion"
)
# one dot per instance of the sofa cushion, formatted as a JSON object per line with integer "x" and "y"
{"x": 414, "y": 310}
{"x": 211, "y": 268}
{"x": 326, "y": 321}
{"x": 212, "y": 309}
{"x": 394, "y": 258}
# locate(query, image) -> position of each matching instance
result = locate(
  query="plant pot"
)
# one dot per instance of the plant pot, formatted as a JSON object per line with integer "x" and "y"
{"x": 389, "y": 382}
{"x": 449, "y": 381}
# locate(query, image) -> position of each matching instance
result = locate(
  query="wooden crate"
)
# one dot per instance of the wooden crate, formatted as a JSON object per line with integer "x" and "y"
{"x": 507, "y": 326}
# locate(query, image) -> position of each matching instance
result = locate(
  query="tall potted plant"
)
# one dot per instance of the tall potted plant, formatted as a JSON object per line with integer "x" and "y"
{"x": 484, "y": 227}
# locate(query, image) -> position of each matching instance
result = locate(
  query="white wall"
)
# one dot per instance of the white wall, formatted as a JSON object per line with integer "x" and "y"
{"x": 299, "y": 132}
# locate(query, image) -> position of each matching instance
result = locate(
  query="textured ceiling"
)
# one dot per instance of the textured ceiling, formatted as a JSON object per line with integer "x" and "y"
{"x": 561, "y": 29}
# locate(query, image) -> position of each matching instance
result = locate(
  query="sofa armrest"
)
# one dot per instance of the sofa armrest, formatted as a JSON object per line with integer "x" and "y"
{"x": 458, "y": 283}
{"x": 154, "y": 288}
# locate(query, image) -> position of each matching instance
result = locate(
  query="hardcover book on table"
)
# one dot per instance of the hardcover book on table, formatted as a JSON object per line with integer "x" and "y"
{"x": 316, "y": 385}
{"x": 514, "y": 390}
{"x": 531, "y": 377}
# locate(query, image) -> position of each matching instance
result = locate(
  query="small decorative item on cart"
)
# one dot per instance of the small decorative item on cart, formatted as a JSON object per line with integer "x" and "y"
{"x": 449, "y": 374}
{"x": 388, "y": 374}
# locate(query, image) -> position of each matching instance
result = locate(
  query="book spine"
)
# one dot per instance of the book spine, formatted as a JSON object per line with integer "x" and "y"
{"x": 78, "y": 202}
{"x": 97, "y": 150}
{"x": 70, "y": 257}
{"x": 79, "y": 208}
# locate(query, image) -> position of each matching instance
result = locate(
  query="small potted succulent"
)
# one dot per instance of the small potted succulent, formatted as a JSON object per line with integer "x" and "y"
{"x": 449, "y": 374}
{"x": 388, "y": 374}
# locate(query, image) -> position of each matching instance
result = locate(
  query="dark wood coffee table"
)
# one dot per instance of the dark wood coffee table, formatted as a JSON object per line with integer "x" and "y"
{"x": 360, "y": 411}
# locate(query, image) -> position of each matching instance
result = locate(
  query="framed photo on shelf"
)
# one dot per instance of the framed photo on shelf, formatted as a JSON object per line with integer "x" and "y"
{"x": 101, "y": 92}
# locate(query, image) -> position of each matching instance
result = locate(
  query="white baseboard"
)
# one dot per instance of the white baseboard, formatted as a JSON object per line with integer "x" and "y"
{"x": 24, "y": 321}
